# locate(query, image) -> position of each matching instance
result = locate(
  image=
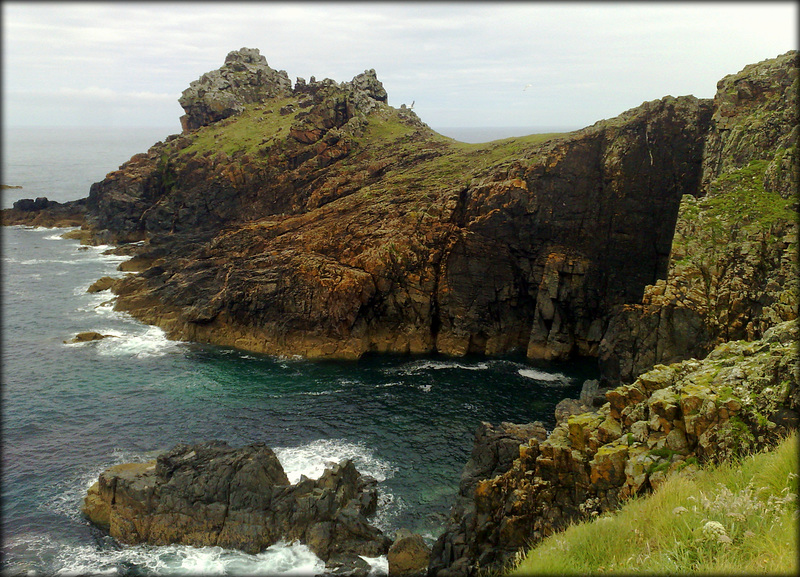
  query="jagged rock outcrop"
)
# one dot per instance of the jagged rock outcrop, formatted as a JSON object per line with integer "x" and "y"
{"x": 733, "y": 266}
{"x": 245, "y": 78}
{"x": 273, "y": 156}
{"x": 742, "y": 397}
{"x": 44, "y": 212}
{"x": 212, "y": 494}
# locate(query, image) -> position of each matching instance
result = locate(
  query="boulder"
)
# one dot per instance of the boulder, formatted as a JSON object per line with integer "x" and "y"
{"x": 408, "y": 555}
{"x": 210, "y": 494}
{"x": 87, "y": 336}
{"x": 101, "y": 284}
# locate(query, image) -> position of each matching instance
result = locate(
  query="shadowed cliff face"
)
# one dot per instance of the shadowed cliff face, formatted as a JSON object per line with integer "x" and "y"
{"x": 368, "y": 232}
{"x": 733, "y": 267}
{"x": 548, "y": 242}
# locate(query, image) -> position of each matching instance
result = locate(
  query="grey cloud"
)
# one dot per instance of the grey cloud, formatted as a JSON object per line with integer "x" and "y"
{"x": 463, "y": 63}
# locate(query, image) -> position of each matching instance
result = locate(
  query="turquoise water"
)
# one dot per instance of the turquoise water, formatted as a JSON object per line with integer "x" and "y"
{"x": 72, "y": 410}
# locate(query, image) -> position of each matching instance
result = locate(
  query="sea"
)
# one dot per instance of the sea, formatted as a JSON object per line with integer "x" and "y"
{"x": 69, "y": 411}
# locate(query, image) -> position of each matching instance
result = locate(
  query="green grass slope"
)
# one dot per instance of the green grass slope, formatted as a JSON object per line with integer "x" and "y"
{"x": 739, "y": 517}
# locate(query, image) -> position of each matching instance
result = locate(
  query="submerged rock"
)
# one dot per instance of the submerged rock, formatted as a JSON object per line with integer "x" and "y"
{"x": 212, "y": 494}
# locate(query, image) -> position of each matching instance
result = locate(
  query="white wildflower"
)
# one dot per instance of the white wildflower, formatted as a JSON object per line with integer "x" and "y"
{"x": 679, "y": 510}
{"x": 713, "y": 531}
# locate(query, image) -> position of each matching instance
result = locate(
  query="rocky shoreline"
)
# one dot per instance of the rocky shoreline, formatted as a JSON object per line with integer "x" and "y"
{"x": 317, "y": 220}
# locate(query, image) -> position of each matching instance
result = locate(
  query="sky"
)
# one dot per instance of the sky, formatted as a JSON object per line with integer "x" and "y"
{"x": 470, "y": 64}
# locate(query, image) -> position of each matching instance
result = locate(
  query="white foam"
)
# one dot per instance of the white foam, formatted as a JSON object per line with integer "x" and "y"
{"x": 378, "y": 565}
{"x": 81, "y": 559}
{"x": 148, "y": 341}
{"x": 312, "y": 459}
{"x": 428, "y": 365}
{"x": 543, "y": 376}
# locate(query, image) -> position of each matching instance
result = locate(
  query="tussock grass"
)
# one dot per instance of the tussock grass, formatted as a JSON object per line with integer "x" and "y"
{"x": 736, "y": 518}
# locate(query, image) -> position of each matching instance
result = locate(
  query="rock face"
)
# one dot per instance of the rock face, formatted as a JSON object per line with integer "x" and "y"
{"x": 245, "y": 78}
{"x": 408, "y": 555}
{"x": 733, "y": 266}
{"x": 212, "y": 494}
{"x": 493, "y": 453}
{"x": 741, "y": 398}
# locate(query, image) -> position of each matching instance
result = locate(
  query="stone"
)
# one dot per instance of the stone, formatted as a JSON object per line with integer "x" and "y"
{"x": 244, "y": 78}
{"x": 87, "y": 336}
{"x": 568, "y": 407}
{"x": 589, "y": 391}
{"x": 608, "y": 465}
{"x": 101, "y": 284}
{"x": 664, "y": 407}
{"x": 408, "y": 555}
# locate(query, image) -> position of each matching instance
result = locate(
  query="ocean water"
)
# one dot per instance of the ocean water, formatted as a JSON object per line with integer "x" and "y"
{"x": 69, "y": 411}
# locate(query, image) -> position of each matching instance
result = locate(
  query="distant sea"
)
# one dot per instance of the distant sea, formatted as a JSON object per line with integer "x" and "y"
{"x": 69, "y": 411}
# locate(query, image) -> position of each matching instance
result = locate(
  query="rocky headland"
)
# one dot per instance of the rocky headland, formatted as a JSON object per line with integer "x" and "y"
{"x": 706, "y": 362}
{"x": 317, "y": 220}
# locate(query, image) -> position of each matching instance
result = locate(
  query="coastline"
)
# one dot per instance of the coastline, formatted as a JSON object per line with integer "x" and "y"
{"x": 696, "y": 372}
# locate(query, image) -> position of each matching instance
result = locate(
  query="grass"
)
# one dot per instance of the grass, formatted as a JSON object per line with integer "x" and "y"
{"x": 258, "y": 126}
{"x": 739, "y": 517}
{"x": 740, "y": 197}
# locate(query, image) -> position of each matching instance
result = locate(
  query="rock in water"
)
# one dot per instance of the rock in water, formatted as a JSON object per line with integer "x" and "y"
{"x": 210, "y": 494}
{"x": 87, "y": 336}
{"x": 408, "y": 555}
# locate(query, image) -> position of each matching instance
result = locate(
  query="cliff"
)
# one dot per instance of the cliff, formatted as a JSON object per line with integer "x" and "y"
{"x": 322, "y": 222}
{"x": 318, "y": 220}
{"x": 733, "y": 264}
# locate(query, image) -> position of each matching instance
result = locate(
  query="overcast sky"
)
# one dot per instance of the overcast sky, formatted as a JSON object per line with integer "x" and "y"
{"x": 463, "y": 64}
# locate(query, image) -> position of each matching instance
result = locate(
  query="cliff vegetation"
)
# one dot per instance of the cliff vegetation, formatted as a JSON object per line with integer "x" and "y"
{"x": 739, "y": 517}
